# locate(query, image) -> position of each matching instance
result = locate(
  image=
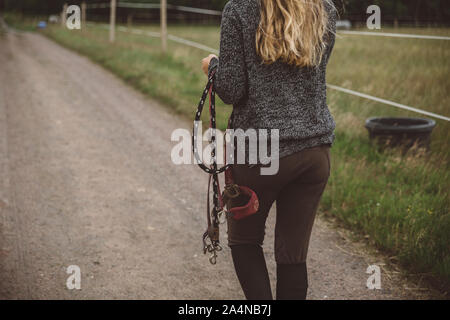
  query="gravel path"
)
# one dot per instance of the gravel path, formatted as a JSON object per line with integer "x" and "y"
{"x": 86, "y": 179}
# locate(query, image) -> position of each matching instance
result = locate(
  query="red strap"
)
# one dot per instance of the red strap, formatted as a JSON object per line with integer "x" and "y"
{"x": 252, "y": 205}
{"x": 228, "y": 176}
{"x": 210, "y": 105}
{"x": 250, "y": 208}
{"x": 210, "y": 126}
{"x": 228, "y": 172}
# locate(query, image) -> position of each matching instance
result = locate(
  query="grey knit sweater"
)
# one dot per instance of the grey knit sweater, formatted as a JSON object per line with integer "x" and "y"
{"x": 276, "y": 96}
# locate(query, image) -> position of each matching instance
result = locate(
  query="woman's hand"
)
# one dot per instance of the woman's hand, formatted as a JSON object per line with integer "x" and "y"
{"x": 205, "y": 63}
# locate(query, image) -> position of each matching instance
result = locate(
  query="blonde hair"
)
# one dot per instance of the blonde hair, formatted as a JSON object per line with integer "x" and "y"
{"x": 292, "y": 31}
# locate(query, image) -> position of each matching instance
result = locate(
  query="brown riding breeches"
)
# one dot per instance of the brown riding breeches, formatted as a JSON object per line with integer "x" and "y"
{"x": 297, "y": 189}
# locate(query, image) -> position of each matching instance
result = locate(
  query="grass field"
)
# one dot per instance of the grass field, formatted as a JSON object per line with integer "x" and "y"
{"x": 400, "y": 204}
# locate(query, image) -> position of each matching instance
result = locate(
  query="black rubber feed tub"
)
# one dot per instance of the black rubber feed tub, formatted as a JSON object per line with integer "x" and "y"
{"x": 401, "y": 132}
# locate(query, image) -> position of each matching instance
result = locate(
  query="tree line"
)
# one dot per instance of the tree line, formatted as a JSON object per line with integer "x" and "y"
{"x": 401, "y": 11}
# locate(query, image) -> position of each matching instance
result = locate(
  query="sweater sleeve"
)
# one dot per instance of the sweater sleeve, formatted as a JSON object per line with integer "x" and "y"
{"x": 231, "y": 74}
{"x": 331, "y": 32}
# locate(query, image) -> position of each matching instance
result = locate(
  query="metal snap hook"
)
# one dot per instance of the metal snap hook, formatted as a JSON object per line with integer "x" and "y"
{"x": 222, "y": 215}
{"x": 213, "y": 258}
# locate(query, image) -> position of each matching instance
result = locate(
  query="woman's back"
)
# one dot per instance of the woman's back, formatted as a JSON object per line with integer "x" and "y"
{"x": 267, "y": 93}
{"x": 277, "y": 95}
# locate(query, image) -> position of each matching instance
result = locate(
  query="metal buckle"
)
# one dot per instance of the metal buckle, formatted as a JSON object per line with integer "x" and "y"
{"x": 232, "y": 191}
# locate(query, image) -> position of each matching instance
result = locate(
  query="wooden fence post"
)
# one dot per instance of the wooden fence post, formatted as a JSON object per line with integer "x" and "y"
{"x": 112, "y": 21}
{"x": 83, "y": 15}
{"x": 130, "y": 20}
{"x": 164, "y": 25}
{"x": 64, "y": 15}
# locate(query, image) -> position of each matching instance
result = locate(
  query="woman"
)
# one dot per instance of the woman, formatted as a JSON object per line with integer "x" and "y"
{"x": 273, "y": 58}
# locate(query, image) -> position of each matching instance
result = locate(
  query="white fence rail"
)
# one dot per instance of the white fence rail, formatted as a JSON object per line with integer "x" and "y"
{"x": 212, "y": 50}
{"x": 384, "y": 101}
{"x": 394, "y": 35}
{"x": 154, "y": 6}
{"x": 330, "y": 86}
{"x": 219, "y": 13}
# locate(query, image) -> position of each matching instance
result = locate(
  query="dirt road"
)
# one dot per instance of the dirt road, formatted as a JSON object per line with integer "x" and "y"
{"x": 86, "y": 179}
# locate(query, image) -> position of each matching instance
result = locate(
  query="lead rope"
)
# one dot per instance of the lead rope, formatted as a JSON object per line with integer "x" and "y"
{"x": 211, "y": 243}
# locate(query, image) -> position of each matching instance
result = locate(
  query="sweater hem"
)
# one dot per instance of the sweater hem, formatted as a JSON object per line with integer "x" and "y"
{"x": 290, "y": 147}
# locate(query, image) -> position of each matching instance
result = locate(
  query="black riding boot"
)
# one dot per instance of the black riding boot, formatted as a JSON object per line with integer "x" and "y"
{"x": 251, "y": 271}
{"x": 292, "y": 281}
